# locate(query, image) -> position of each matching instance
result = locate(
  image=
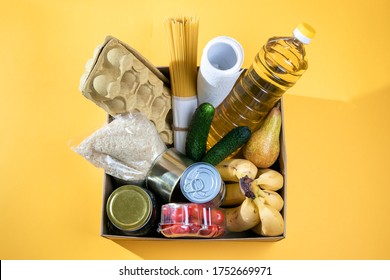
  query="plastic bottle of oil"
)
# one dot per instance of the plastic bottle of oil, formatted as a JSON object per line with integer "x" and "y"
{"x": 276, "y": 68}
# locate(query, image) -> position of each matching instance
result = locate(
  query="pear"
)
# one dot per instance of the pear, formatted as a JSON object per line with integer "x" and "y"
{"x": 263, "y": 147}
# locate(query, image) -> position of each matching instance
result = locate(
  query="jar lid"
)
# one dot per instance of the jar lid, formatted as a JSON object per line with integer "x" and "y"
{"x": 129, "y": 207}
{"x": 201, "y": 182}
{"x": 304, "y": 33}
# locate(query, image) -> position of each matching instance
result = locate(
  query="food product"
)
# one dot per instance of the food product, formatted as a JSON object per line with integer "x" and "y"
{"x": 198, "y": 131}
{"x": 191, "y": 220}
{"x": 269, "y": 179}
{"x": 272, "y": 222}
{"x": 132, "y": 210}
{"x": 271, "y": 198}
{"x": 276, "y": 68}
{"x": 120, "y": 80}
{"x": 263, "y": 147}
{"x": 229, "y": 144}
{"x": 234, "y": 196}
{"x": 125, "y": 148}
{"x": 243, "y": 217}
{"x": 231, "y": 170}
{"x": 201, "y": 183}
{"x": 182, "y": 34}
{"x": 164, "y": 175}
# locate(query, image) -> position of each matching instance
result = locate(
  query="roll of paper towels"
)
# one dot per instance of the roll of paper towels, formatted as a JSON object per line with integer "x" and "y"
{"x": 220, "y": 67}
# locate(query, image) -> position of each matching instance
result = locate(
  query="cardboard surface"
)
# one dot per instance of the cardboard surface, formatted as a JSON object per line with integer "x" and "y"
{"x": 118, "y": 79}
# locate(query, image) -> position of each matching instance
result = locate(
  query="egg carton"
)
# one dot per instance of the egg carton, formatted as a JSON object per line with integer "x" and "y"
{"x": 119, "y": 79}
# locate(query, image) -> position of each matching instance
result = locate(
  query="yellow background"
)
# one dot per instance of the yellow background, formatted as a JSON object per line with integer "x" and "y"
{"x": 336, "y": 123}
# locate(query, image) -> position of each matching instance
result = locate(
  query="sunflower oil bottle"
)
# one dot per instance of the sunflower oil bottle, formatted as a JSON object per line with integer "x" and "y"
{"x": 276, "y": 68}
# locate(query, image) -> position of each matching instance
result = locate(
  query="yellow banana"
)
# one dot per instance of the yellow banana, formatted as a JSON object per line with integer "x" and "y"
{"x": 272, "y": 223}
{"x": 242, "y": 217}
{"x": 233, "y": 196}
{"x": 231, "y": 170}
{"x": 269, "y": 179}
{"x": 271, "y": 198}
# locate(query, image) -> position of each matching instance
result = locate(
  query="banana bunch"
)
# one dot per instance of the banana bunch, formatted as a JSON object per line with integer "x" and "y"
{"x": 255, "y": 203}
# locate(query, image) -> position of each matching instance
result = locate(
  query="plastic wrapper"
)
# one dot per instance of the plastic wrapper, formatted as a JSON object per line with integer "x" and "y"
{"x": 191, "y": 220}
{"x": 125, "y": 148}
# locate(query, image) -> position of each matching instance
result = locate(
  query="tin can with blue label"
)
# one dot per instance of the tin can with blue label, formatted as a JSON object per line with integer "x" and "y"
{"x": 202, "y": 183}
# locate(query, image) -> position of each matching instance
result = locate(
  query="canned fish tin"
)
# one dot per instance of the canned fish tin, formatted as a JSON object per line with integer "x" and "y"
{"x": 202, "y": 183}
{"x": 132, "y": 210}
{"x": 165, "y": 173}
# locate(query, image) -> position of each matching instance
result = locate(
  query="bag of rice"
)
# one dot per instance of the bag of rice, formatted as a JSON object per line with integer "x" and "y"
{"x": 125, "y": 148}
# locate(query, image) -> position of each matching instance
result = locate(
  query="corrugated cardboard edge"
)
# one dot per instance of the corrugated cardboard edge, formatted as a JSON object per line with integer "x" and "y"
{"x": 283, "y": 168}
{"x": 108, "y": 188}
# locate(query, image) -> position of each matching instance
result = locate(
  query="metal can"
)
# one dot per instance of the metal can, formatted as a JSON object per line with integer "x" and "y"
{"x": 202, "y": 183}
{"x": 164, "y": 175}
{"x": 132, "y": 210}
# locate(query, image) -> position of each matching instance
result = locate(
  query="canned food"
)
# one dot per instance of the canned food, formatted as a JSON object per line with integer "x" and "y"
{"x": 164, "y": 176}
{"x": 202, "y": 183}
{"x": 132, "y": 210}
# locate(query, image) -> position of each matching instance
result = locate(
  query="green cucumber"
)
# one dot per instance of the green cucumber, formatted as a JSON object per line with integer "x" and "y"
{"x": 198, "y": 131}
{"x": 232, "y": 141}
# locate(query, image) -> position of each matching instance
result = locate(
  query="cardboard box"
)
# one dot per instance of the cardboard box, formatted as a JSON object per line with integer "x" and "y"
{"x": 109, "y": 184}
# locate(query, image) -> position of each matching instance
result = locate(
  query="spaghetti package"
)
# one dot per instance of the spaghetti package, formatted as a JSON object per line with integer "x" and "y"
{"x": 183, "y": 46}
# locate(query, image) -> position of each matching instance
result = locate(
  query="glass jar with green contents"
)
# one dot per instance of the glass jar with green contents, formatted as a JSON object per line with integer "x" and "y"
{"x": 132, "y": 210}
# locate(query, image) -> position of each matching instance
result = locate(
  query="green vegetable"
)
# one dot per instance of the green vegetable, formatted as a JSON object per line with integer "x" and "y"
{"x": 232, "y": 141}
{"x": 198, "y": 131}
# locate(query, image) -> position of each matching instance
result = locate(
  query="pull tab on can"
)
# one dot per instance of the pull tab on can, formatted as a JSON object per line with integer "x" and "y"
{"x": 201, "y": 183}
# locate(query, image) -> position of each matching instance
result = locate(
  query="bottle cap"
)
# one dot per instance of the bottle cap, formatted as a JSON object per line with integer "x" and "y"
{"x": 201, "y": 183}
{"x": 129, "y": 207}
{"x": 304, "y": 33}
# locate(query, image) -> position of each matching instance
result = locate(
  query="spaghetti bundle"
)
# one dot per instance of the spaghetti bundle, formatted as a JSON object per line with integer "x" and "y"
{"x": 183, "y": 46}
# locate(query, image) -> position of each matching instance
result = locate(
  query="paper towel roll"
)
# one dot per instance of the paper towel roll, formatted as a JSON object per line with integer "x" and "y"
{"x": 219, "y": 69}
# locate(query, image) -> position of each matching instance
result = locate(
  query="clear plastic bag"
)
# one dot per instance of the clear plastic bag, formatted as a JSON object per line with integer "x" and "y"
{"x": 125, "y": 148}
